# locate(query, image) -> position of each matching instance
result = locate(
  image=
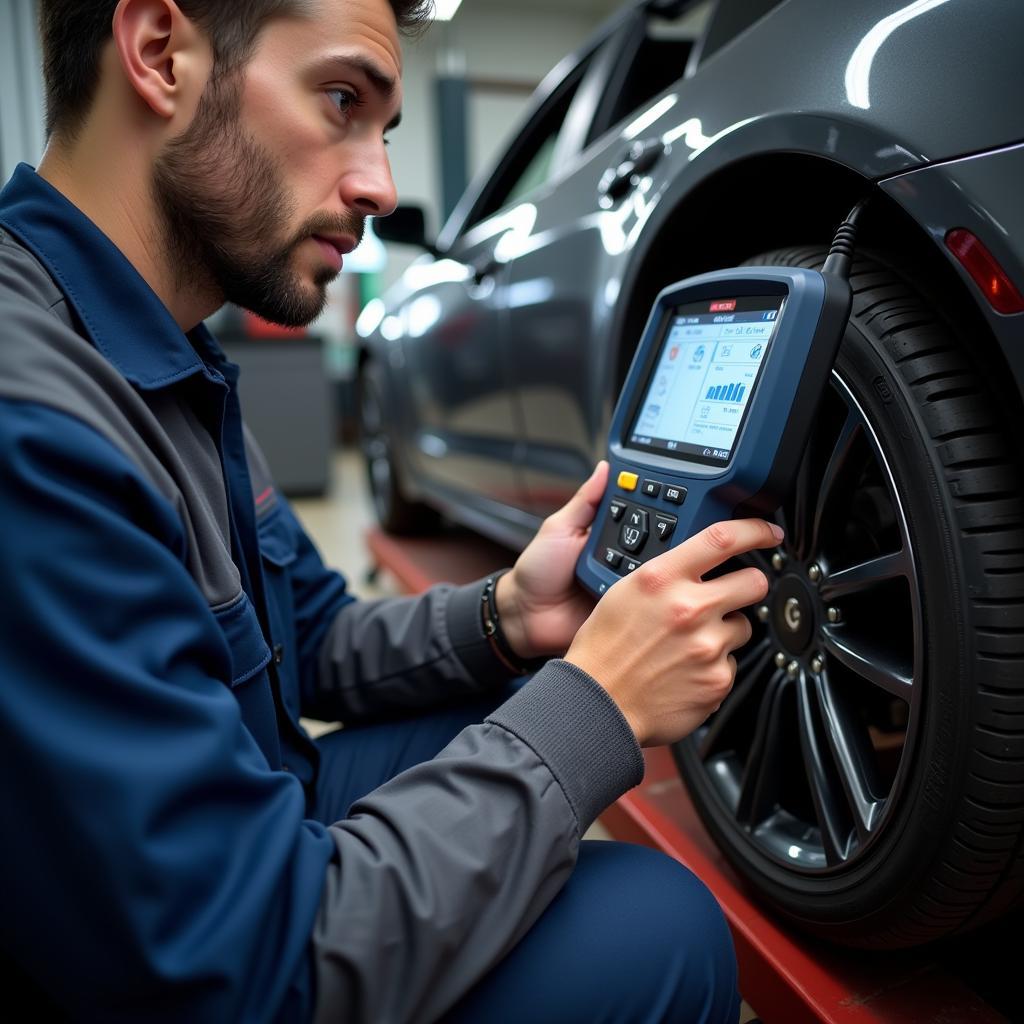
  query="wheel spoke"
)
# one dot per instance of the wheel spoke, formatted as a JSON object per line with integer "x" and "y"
{"x": 874, "y": 665}
{"x": 865, "y": 575}
{"x": 750, "y": 670}
{"x": 830, "y": 478}
{"x": 851, "y": 753}
{"x": 762, "y": 772}
{"x": 375, "y": 448}
{"x": 749, "y": 662}
{"x": 834, "y": 830}
{"x": 799, "y": 539}
{"x": 782, "y": 517}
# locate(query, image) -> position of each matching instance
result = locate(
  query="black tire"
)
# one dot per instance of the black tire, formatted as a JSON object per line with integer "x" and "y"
{"x": 395, "y": 512}
{"x": 870, "y": 811}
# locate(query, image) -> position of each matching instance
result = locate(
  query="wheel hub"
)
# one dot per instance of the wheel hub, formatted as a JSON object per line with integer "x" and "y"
{"x": 794, "y": 614}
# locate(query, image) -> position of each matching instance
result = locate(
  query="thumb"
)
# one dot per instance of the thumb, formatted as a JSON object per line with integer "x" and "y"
{"x": 578, "y": 513}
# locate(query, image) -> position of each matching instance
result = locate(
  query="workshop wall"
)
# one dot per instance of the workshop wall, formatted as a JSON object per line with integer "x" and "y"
{"x": 21, "y": 87}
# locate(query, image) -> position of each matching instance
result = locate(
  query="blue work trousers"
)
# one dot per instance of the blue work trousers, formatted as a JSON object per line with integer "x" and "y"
{"x": 632, "y": 938}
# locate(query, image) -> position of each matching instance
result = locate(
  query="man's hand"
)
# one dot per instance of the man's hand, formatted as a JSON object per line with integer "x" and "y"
{"x": 540, "y": 604}
{"x": 660, "y": 641}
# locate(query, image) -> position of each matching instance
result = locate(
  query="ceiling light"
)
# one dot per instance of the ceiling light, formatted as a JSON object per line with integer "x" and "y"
{"x": 444, "y": 10}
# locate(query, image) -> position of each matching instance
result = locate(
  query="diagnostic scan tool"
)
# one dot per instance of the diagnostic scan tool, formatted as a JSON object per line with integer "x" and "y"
{"x": 716, "y": 409}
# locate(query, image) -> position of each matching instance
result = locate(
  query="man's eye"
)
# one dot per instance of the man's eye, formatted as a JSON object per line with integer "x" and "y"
{"x": 344, "y": 99}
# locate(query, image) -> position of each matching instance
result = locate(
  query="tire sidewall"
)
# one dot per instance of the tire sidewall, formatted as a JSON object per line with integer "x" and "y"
{"x": 876, "y": 890}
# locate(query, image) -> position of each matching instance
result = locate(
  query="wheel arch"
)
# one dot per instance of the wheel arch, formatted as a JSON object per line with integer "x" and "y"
{"x": 777, "y": 200}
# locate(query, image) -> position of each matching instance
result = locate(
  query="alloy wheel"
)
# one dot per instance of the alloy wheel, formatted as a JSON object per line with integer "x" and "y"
{"x": 809, "y": 752}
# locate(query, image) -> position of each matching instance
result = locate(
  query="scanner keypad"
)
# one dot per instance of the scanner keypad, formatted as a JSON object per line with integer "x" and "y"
{"x": 634, "y": 533}
{"x": 616, "y": 508}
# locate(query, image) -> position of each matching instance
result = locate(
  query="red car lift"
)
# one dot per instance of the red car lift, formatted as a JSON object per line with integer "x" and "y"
{"x": 786, "y": 977}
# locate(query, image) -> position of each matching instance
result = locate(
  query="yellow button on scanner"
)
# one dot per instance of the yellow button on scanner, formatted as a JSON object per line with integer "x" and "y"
{"x": 627, "y": 481}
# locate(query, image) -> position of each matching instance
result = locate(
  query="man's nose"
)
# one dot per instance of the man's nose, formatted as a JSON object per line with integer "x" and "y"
{"x": 369, "y": 187}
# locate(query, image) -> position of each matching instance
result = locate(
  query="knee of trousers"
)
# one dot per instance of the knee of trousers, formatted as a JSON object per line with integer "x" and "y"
{"x": 632, "y": 938}
{"x": 664, "y": 946}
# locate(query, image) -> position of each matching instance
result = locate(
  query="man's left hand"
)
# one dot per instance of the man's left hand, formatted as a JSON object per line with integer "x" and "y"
{"x": 540, "y": 604}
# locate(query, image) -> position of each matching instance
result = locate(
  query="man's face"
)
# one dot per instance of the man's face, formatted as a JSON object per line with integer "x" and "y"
{"x": 283, "y": 161}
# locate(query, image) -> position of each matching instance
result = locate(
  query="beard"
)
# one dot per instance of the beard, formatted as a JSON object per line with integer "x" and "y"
{"x": 225, "y": 209}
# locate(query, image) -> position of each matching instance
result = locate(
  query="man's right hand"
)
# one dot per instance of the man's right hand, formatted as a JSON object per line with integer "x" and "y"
{"x": 661, "y": 640}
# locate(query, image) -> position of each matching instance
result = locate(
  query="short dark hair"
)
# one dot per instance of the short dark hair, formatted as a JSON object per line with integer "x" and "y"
{"x": 74, "y": 33}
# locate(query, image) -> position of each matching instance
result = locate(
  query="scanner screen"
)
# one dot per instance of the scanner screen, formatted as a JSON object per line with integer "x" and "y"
{"x": 704, "y": 377}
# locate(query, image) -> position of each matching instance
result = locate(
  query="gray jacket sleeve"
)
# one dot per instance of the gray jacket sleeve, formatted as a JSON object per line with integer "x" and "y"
{"x": 441, "y": 870}
{"x": 404, "y": 654}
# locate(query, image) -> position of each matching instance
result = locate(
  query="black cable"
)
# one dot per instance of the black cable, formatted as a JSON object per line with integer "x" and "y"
{"x": 840, "y": 256}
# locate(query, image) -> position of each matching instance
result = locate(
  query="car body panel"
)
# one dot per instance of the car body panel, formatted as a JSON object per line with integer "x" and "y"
{"x": 982, "y": 193}
{"x": 456, "y": 359}
{"x": 880, "y": 94}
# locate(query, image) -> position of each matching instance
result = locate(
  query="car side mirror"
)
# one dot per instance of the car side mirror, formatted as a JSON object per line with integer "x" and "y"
{"x": 406, "y": 226}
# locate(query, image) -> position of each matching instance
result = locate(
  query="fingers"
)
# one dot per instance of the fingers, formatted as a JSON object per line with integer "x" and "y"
{"x": 733, "y": 632}
{"x": 722, "y": 541}
{"x": 736, "y": 590}
{"x": 739, "y": 631}
{"x": 720, "y": 638}
{"x": 579, "y": 511}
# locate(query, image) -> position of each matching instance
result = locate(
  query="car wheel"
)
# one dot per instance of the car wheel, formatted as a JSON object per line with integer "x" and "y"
{"x": 866, "y": 774}
{"x": 395, "y": 512}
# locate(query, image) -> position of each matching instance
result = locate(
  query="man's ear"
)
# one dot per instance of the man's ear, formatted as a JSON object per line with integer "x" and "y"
{"x": 163, "y": 55}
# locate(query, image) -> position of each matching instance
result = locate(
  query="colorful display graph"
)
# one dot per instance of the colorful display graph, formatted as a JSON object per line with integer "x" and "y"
{"x": 726, "y": 393}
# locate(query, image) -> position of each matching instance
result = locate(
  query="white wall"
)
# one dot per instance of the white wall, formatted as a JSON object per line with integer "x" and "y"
{"x": 21, "y": 87}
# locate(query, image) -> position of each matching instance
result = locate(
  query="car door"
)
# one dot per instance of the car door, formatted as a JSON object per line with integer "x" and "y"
{"x": 451, "y": 326}
{"x": 461, "y": 358}
{"x": 556, "y": 288}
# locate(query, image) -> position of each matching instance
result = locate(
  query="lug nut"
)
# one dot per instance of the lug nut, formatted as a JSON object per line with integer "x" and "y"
{"x": 817, "y": 664}
{"x": 814, "y": 573}
{"x": 778, "y": 561}
{"x": 792, "y": 669}
{"x": 780, "y": 660}
{"x": 763, "y": 613}
{"x": 833, "y": 615}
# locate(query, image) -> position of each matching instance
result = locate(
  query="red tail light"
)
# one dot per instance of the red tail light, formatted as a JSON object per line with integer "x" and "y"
{"x": 1002, "y": 294}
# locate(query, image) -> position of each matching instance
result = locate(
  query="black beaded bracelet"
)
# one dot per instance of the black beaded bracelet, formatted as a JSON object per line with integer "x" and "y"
{"x": 493, "y": 631}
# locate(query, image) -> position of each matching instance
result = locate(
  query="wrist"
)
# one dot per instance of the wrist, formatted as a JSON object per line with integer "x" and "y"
{"x": 509, "y": 608}
{"x": 494, "y": 627}
{"x": 599, "y": 671}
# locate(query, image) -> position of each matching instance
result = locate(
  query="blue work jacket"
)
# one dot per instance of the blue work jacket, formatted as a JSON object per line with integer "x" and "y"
{"x": 55, "y": 628}
{"x": 165, "y": 623}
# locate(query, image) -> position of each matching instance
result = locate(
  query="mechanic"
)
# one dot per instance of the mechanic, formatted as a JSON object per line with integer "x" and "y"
{"x": 175, "y": 846}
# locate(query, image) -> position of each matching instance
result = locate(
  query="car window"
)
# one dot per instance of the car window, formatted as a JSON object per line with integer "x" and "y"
{"x": 653, "y": 58}
{"x": 538, "y": 170}
{"x": 530, "y": 158}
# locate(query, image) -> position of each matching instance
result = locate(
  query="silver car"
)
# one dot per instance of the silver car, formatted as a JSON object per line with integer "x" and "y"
{"x": 866, "y": 775}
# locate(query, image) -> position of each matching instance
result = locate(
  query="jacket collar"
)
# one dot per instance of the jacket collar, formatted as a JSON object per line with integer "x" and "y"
{"x": 121, "y": 314}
